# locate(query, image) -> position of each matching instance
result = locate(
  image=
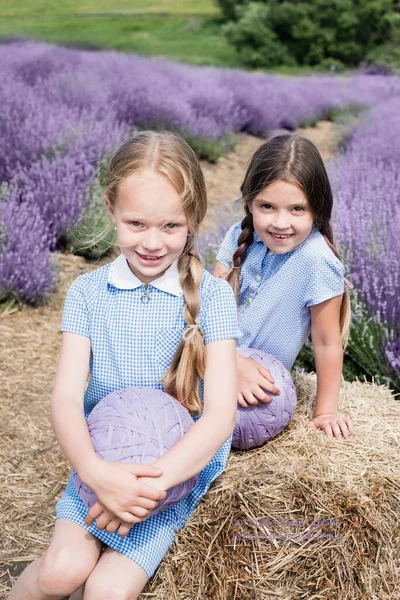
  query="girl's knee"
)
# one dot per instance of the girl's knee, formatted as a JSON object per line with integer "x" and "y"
{"x": 60, "y": 573}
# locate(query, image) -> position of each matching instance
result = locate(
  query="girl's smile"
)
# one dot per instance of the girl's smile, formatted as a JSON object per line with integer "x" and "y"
{"x": 282, "y": 217}
{"x": 151, "y": 260}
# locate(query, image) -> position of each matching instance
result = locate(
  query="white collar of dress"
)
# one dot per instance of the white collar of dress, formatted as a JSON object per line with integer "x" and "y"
{"x": 120, "y": 276}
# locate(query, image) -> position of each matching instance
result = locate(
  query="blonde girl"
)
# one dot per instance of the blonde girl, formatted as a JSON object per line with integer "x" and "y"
{"x": 152, "y": 317}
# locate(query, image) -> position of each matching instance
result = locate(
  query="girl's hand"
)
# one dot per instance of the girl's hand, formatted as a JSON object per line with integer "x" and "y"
{"x": 120, "y": 490}
{"x": 253, "y": 379}
{"x": 332, "y": 424}
{"x": 106, "y": 520}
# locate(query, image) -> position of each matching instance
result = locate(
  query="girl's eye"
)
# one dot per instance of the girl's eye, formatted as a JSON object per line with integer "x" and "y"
{"x": 172, "y": 225}
{"x": 135, "y": 223}
{"x": 266, "y": 206}
{"x": 299, "y": 208}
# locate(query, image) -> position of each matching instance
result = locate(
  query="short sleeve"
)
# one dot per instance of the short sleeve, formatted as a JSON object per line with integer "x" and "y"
{"x": 219, "y": 316}
{"x": 75, "y": 318}
{"x": 326, "y": 280}
{"x": 229, "y": 245}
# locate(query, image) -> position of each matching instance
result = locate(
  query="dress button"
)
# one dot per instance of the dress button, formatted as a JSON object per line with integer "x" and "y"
{"x": 258, "y": 277}
{"x": 249, "y": 300}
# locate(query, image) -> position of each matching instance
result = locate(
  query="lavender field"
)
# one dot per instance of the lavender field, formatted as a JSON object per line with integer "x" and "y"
{"x": 62, "y": 111}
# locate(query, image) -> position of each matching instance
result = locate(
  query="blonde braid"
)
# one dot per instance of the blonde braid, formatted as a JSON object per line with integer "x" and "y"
{"x": 188, "y": 366}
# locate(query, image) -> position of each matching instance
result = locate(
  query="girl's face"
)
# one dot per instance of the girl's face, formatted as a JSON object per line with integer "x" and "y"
{"x": 152, "y": 228}
{"x": 282, "y": 216}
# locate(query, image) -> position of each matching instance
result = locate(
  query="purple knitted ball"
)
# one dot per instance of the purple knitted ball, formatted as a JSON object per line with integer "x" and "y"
{"x": 137, "y": 425}
{"x": 258, "y": 424}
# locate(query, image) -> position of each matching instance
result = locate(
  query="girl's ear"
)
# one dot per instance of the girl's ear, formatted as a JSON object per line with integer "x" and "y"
{"x": 110, "y": 209}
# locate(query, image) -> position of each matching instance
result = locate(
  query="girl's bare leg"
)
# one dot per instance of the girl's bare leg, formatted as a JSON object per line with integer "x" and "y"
{"x": 68, "y": 562}
{"x": 115, "y": 577}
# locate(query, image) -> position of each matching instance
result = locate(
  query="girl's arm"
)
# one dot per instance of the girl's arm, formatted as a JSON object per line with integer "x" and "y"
{"x": 327, "y": 344}
{"x": 220, "y": 270}
{"x": 66, "y": 406}
{"x": 116, "y": 484}
{"x": 197, "y": 447}
{"x": 253, "y": 379}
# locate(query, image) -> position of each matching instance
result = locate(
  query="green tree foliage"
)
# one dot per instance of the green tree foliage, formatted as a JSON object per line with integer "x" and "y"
{"x": 228, "y": 8}
{"x": 308, "y": 32}
{"x": 256, "y": 41}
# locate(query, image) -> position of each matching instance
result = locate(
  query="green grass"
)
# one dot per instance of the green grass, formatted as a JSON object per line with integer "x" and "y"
{"x": 32, "y": 8}
{"x": 186, "y": 31}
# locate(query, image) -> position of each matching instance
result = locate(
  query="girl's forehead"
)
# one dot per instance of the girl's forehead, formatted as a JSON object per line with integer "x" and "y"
{"x": 282, "y": 193}
{"x": 148, "y": 192}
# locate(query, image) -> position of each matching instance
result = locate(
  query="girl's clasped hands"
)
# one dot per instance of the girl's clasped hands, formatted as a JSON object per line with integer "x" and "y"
{"x": 125, "y": 495}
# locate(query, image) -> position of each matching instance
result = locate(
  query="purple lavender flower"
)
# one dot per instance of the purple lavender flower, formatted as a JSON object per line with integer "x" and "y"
{"x": 367, "y": 217}
{"x": 62, "y": 109}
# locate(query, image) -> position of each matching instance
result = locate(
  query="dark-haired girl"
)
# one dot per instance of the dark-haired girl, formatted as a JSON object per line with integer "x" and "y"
{"x": 283, "y": 266}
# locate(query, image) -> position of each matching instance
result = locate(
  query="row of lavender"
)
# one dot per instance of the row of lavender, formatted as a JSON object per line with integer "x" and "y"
{"x": 61, "y": 109}
{"x": 366, "y": 180}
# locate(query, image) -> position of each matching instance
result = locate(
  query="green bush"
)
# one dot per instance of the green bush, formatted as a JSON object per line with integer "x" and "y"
{"x": 209, "y": 149}
{"x": 228, "y": 8}
{"x": 311, "y": 32}
{"x": 93, "y": 235}
{"x": 387, "y": 54}
{"x": 252, "y": 36}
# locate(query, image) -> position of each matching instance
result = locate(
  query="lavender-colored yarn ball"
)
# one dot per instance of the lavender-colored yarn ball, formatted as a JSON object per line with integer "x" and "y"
{"x": 258, "y": 424}
{"x": 137, "y": 425}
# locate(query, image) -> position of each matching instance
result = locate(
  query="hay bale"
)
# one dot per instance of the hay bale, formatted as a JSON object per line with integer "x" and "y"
{"x": 302, "y": 517}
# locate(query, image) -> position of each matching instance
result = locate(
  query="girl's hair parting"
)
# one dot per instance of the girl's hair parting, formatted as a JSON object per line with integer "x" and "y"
{"x": 296, "y": 160}
{"x": 169, "y": 155}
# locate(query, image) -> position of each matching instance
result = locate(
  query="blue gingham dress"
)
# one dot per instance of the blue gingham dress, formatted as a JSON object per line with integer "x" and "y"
{"x": 132, "y": 344}
{"x": 277, "y": 291}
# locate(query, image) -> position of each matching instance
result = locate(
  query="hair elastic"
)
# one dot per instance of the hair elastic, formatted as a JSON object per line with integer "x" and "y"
{"x": 349, "y": 284}
{"x": 191, "y": 330}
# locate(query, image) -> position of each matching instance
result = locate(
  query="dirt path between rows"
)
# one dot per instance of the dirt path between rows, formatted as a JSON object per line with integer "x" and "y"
{"x": 33, "y": 470}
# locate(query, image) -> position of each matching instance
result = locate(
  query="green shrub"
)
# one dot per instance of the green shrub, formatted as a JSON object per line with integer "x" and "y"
{"x": 228, "y": 8}
{"x": 93, "y": 235}
{"x": 255, "y": 40}
{"x": 209, "y": 149}
{"x": 310, "y": 32}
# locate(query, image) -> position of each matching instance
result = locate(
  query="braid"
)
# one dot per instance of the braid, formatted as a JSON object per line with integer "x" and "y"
{"x": 327, "y": 232}
{"x": 188, "y": 366}
{"x": 244, "y": 241}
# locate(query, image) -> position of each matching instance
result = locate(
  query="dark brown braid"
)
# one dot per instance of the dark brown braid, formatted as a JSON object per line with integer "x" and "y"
{"x": 245, "y": 240}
